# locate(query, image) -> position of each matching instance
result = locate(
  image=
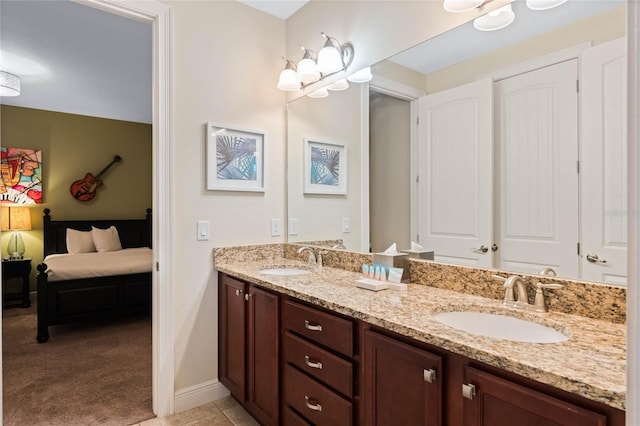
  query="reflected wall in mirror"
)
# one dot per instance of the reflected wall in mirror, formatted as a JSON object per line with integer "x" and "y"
{"x": 445, "y": 68}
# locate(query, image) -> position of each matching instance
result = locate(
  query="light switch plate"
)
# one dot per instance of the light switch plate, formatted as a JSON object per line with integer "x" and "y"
{"x": 203, "y": 230}
{"x": 293, "y": 226}
{"x": 275, "y": 227}
{"x": 346, "y": 225}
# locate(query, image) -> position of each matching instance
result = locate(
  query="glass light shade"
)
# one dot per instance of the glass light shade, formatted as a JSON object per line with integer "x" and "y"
{"x": 495, "y": 20}
{"x": 9, "y": 84}
{"x": 320, "y": 93}
{"x": 308, "y": 71}
{"x": 338, "y": 85}
{"x": 15, "y": 248}
{"x": 329, "y": 59}
{"x": 288, "y": 80}
{"x": 361, "y": 76}
{"x": 544, "y": 4}
{"x": 459, "y": 6}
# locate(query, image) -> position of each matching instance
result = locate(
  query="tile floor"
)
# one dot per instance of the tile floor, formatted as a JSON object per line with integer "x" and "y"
{"x": 223, "y": 412}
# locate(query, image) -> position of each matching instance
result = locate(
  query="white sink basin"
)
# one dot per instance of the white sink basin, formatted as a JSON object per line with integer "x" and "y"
{"x": 500, "y": 327}
{"x": 284, "y": 271}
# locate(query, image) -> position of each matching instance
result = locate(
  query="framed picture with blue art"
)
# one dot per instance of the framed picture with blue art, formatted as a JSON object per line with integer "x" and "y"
{"x": 235, "y": 159}
{"x": 325, "y": 167}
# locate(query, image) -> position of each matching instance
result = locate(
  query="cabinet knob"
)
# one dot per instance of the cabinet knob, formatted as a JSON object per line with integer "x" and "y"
{"x": 429, "y": 375}
{"x": 311, "y": 406}
{"x": 312, "y": 327}
{"x": 238, "y": 292}
{"x": 468, "y": 391}
{"x": 248, "y": 296}
{"x": 312, "y": 364}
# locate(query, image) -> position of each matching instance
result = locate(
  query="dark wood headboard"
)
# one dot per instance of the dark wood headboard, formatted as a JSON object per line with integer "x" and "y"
{"x": 132, "y": 232}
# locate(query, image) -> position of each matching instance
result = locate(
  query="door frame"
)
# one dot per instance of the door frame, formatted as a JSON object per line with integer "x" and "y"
{"x": 159, "y": 15}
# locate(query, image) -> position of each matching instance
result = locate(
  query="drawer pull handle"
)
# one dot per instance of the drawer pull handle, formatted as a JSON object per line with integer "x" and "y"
{"x": 312, "y": 327}
{"x": 468, "y": 391}
{"x": 430, "y": 375}
{"x": 310, "y": 406}
{"x": 312, "y": 364}
{"x": 238, "y": 292}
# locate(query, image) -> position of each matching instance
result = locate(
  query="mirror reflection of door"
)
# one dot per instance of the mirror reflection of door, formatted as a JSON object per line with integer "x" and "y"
{"x": 389, "y": 176}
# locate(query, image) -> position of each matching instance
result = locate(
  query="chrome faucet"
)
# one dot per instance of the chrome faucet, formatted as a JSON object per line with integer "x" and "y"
{"x": 519, "y": 298}
{"x": 315, "y": 258}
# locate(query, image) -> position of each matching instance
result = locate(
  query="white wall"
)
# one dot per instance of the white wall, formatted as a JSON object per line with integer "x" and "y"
{"x": 225, "y": 68}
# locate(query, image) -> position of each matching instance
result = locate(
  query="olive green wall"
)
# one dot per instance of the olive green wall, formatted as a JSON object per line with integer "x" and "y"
{"x": 73, "y": 145}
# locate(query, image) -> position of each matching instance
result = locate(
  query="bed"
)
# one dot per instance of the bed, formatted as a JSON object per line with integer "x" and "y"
{"x": 99, "y": 291}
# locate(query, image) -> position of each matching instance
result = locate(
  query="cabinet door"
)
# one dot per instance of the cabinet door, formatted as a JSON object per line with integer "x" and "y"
{"x": 262, "y": 356}
{"x": 231, "y": 350}
{"x": 399, "y": 386}
{"x": 499, "y": 402}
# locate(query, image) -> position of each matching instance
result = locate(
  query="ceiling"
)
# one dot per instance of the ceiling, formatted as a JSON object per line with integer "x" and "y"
{"x": 77, "y": 59}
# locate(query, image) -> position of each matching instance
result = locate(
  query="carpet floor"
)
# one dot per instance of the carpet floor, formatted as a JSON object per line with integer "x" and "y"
{"x": 96, "y": 373}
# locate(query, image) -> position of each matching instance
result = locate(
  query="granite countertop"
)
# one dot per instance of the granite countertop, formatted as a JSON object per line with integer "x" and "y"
{"x": 592, "y": 363}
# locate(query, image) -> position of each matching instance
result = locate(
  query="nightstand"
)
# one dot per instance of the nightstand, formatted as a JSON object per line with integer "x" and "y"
{"x": 20, "y": 268}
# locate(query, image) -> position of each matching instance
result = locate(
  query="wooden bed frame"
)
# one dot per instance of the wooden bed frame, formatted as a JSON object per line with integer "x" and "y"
{"x": 85, "y": 299}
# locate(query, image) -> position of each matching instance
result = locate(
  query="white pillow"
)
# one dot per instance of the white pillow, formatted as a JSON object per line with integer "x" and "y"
{"x": 79, "y": 241}
{"x": 106, "y": 239}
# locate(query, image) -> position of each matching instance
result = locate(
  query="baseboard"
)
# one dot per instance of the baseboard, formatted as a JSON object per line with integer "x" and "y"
{"x": 200, "y": 394}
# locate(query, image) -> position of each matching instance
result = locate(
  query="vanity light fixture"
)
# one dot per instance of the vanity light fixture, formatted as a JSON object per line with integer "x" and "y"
{"x": 544, "y": 4}
{"x": 336, "y": 86}
{"x": 320, "y": 93}
{"x": 9, "y": 84}
{"x": 334, "y": 57}
{"x": 495, "y": 20}
{"x": 459, "y": 6}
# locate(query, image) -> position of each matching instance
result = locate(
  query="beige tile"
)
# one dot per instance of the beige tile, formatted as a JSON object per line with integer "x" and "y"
{"x": 226, "y": 403}
{"x": 239, "y": 417}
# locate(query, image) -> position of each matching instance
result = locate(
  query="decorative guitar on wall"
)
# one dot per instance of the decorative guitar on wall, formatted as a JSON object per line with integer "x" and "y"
{"x": 85, "y": 189}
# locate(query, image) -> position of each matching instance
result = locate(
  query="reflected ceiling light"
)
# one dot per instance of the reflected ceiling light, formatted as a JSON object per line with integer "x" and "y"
{"x": 544, "y": 4}
{"x": 361, "y": 76}
{"x": 459, "y": 6}
{"x": 289, "y": 80}
{"x": 9, "y": 84}
{"x": 336, "y": 86}
{"x": 320, "y": 93}
{"x": 307, "y": 68}
{"x": 495, "y": 20}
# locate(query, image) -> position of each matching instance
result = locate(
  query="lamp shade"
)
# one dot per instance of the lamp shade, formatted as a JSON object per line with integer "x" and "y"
{"x": 329, "y": 58}
{"x": 338, "y": 85}
{"x": 544, "y": 4}
{"x": 495, "y": 20}
{"x": 459, "y": 6}
{"x": 308, "y": 71}
{"x": 15, "y": 219}
{"x": 361, "y": 76}
{"x": 9, "y": 84}
{"x": 320, "y": 93}
{"x": 288, "y": 80}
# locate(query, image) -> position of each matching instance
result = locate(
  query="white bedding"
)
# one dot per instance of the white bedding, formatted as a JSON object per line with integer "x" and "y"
{"x": 88, "y": 265}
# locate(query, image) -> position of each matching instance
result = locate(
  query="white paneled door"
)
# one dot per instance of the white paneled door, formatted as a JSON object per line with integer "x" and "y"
{"x": 536, "y": 137}
{"x": 603, "y": 159}
{"x": 455, "y": 169}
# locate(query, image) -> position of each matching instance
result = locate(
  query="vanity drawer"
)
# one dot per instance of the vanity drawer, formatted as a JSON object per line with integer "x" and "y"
{"x": 323, "y": 365}
{"x": 329, "y": 330}
{"x": 291, "y": 418}
{"x": 317, "y": 403}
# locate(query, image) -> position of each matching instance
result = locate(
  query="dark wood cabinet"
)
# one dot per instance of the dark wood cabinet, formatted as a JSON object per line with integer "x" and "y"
{"x": 402, "y": 383}
{"x": 249, "y": 347}
{"x": 493, "y": 401}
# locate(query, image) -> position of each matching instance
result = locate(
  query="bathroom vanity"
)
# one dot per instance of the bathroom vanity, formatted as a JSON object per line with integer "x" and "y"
{"x": 314, "y": 349}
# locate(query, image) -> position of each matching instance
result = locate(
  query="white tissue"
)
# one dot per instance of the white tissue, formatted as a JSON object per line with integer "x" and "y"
{"x": 416, "y": 247}
{"x": 392, "y": 249}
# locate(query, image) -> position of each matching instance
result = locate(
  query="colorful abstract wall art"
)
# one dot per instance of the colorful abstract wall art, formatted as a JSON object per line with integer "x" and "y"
{"x": 21, "y": 171}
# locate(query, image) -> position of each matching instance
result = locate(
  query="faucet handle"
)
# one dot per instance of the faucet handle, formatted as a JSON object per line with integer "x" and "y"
{"x": 498, "y": 277}
{"x": 539, "y": 302}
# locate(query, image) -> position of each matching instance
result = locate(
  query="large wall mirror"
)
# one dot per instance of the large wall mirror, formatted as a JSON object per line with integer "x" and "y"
{"x": 384, "y": 204}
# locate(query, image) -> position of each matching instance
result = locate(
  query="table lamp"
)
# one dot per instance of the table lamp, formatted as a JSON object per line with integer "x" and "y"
{"x": 15, "y": 219}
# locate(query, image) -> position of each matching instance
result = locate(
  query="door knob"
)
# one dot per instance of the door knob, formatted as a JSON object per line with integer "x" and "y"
{"x": 482, "y": 248}
{"x": 593, "y": 258}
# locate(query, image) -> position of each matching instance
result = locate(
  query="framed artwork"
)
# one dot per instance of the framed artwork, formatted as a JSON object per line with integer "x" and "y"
{"x": 235, "y": 159}
{"x": 325, "y": 167}
{"x": 21, "y": 171}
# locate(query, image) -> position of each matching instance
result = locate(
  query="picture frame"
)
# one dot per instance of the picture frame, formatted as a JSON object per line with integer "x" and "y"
{"x": 235, "y": 158}
{"x": 325, "y": 167}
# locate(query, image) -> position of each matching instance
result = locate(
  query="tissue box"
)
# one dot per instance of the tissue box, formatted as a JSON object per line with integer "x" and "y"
{"x": 400, "y": 260}
{"x": 425, "y": 254}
